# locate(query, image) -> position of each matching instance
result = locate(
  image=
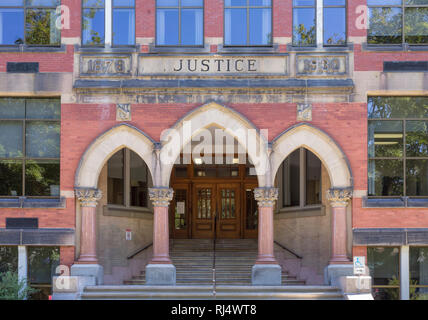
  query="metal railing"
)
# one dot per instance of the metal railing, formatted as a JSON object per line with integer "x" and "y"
{"x": 286, "y": 249}
{"x": 132, "y": 255}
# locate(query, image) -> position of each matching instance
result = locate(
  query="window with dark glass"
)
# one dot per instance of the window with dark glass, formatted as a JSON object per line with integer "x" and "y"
{"x": 304, "y": 23}
{"x": 93, "y": 22}
{"x": 8, "y": 259}
{"x": 418, "y": 273}
{"x": 301, "y": 179}
{"x": 248, "y": 22}
{"x": 123, "y": 22}
{"x": 334, "y": 22}
{"x": 29, "y": 147}
{"x": 398, "y": 146}
{"x": 42, "y": 264}
{"x": 383, "y": 263}
{"x": 398, "y": 21}
{"x": 127, "y": 180}
{"x": 31, "y": 22}
{"x": 179, "y": 22}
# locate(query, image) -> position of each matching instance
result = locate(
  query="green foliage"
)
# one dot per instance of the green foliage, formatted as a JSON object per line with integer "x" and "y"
{"x": 11, "y": 288}
{"x": 303, "y": 37}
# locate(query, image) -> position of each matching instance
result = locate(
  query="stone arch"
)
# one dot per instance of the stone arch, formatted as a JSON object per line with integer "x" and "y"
{"x": 317, "y": 141}
{"x": 214, "y": 115}
{"x": 105, "y": 145}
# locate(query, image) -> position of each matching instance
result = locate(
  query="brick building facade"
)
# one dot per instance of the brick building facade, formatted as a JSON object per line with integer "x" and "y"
{"x": 320, "y": 96}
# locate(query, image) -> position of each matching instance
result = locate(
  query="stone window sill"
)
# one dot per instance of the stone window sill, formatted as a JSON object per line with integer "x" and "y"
{"x": 399, "y": 202}
{"x": 387, "y": 48}
{"x": 127, "y": 212}
{"x": 34, "y": 49}
{"x": 85, "y": 49}
{"x": 322, "y": 49}
{"x": 298, "y": 212}
{"x": 153, "y": 49}
{"x": 273, "y": 49}
{"x": 24, "y": 202}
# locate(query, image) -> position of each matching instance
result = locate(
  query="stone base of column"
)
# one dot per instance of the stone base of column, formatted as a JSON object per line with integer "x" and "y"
{"x": 88, "y": 270}
{"x": 333, "y": 273}
{"x": 160, "y": 274}
{"x": 266, "y": 275}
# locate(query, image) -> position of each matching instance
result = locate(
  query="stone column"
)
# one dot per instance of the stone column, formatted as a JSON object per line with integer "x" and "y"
{"x": 22, "y": 266}
{"x": 266, "y": 271}
{"x": 87, "y": 266}
{"x": 88, "y": 199}
{"x": 160, "y": 270}
{"x": 339, "y": 264}
{"x": 339, "y": 199}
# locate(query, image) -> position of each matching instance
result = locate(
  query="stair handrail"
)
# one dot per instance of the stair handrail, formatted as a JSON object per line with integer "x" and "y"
{"x": 132, "y": 255}
{"x": 286, "y": 249}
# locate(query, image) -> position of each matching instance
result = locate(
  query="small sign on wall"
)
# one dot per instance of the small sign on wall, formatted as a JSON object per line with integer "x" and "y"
{"x": 128, "y": 235}
{"x": 180, "y": 207}
{"x": 359, "y": 265}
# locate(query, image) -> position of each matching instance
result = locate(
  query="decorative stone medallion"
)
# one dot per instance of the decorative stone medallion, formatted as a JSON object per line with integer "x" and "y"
{"x": 304, "y": 112}
{"x": 123, "y": 112}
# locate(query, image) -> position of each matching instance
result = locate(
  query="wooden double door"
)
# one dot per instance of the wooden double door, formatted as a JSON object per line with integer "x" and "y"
{"x": 225, "y": 210}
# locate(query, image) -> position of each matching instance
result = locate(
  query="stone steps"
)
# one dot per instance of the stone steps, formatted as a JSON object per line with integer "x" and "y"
{"x": 206, "y": 292}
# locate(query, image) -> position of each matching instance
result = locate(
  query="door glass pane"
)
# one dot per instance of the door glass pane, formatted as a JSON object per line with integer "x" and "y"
{"x": 385, "y": 26}
{"x": 313, "y": 179}
{"x": 385, "y": 177}
{"x": 11, "y": 26}
{"x": 42, "y": 139}
{"x": 385, "y": 138}
{"x": 11, "y": 139}
{"x": 138, "y": 180}
{"x": 180, "y": 209}
{"x": 40, "y": 27}
{"x": 251, "y": 219}
{"x": 42, "y": 178}
{"x": 11, "y": 178}
{"x": 93, "y": 27}
{"x": 417, "y": 178}
{"x": 123, "y": 27}
{"x": 115, "y": 179}
{"x": 383, "y": 263}
{"x": 228, "y": 204}
{"x": 418, "y": 273}
{"x": 204, "y": 203}
{"x": 260, "y": 26}
{"x": 417, "y": 138}
{"x": 235, "y": 25}
{"x": 416, "y": 25}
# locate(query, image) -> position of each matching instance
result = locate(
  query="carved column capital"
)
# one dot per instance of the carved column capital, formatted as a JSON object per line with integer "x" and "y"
{"x": 88, "y": 197}
{"x": 266, "y": 196}
{"x": 339, "y": 197}
{"x": 161, "y": 196}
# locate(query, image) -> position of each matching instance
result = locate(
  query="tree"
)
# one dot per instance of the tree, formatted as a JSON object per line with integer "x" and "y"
{"x": 13, "y": 288}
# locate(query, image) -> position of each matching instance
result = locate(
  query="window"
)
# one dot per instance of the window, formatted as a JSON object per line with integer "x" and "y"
{"x": 29, "y": 22}
{"x": 179, "y": 22}
{"x": 304, "y": 23}
{"x": 397, "y": 146}
{"x": 301, "y": 179}
{"x": 383, "y": 263}
{"x": 108, "y": 23}
{"x": 419, "y": 273}
{"x": 248, "y": 23}
{"x": 127, "y": 180}
{"x": 42, "y": 264}
{"x": 334, "y": 25}
{"x": 8, "y": 259}
{"x": 398, "y": 21}
{"x": 29, "y": 147}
